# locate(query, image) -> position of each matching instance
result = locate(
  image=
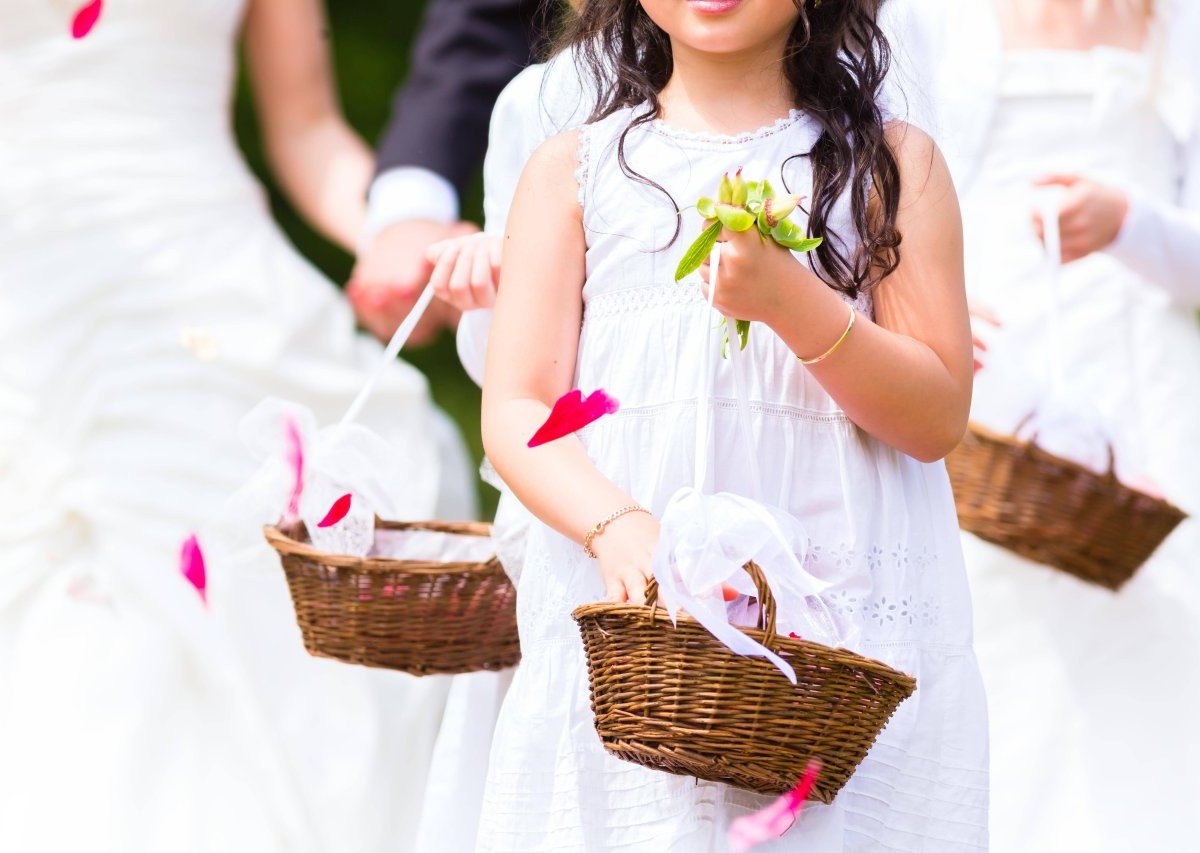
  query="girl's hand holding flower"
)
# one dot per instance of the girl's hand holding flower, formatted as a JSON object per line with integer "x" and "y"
{"x": 758, "y": 279}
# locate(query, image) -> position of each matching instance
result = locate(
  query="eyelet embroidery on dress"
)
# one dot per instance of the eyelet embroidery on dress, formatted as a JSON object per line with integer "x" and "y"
{"x": 884, "y": 607}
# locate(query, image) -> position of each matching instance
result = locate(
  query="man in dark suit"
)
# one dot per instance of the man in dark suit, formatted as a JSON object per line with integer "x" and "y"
{"x": 466, "y": 52}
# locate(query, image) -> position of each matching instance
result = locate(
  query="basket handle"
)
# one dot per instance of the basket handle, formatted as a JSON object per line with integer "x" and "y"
{"x": 766, "y": 601}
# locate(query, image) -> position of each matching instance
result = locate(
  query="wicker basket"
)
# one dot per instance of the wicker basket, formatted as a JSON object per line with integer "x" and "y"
{"x": 424, "y": 618}
{"x": 1053, "y": 511}
{"x": 675, "y": 699}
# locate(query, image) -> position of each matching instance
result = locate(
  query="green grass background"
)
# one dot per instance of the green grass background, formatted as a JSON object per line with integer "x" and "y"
{"x": 372, "y": 41}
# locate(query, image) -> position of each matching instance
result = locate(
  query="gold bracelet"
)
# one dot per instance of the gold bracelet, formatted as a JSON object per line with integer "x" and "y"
{"x": 599, "y": 528}
{"x": 838, "y": 343}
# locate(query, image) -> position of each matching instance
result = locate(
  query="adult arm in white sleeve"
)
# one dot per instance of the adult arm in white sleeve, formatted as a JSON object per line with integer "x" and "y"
{"x": 1161, "y": 241}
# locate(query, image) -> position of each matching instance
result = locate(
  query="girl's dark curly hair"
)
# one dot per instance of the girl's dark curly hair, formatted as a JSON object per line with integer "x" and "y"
{"x": 836, "y": 60}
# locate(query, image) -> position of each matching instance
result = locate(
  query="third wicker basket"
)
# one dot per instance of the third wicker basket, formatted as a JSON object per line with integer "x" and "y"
{"x": 1051, "y": 510}
{"x": 676, "y": 699}
{"x": 421, "y": 617}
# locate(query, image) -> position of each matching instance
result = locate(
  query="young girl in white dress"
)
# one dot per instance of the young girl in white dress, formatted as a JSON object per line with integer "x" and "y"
{"x": 1099, "y": 101}
{"x": 849, "y": 444}
{"x": 147, "y": 302}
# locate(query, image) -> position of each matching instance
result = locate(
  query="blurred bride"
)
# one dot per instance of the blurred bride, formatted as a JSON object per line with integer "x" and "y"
{"x": 1087, "y": 111}
{"x": 147, "y": 302}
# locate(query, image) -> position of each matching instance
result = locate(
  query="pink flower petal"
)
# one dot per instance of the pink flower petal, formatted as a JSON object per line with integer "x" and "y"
{"x": 571, "y": 413}
{"x": 191, "y": 566}
{"x": 774, "y": 820}
{"x": 295, "y": 458}
{"x": 336, "y": 512}
{"x": 86, "y": 18}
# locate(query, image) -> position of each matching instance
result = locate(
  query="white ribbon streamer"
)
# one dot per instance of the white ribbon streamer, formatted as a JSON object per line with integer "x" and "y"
{"x": 708, "y": 539}
{"x": 399, "y": 339}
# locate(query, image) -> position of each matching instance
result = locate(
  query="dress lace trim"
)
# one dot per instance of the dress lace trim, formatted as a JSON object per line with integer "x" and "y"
{"x": 720, "y": 139}
{"x": 637, "y": 299}
{"x": 584, "y": 157}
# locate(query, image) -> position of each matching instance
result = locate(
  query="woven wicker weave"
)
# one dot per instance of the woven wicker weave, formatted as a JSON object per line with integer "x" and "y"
{"x": 676, "y": 699}
{"x": 1053, "y": 511}
{"x": 424, "y": 618}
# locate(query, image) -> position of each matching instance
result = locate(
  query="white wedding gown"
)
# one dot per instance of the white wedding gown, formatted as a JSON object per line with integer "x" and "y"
{"x": 147, "y": 302}
{"x": 1094, "y": 745}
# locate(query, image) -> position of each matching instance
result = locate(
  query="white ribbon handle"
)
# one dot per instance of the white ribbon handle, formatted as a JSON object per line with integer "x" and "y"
{"x": 1049, "y": 206}
{"x": 399, "y": 339}
{"x": 710, "y": 611}
{"x": 712, "y": 616}
{"x": 700, "y": 471}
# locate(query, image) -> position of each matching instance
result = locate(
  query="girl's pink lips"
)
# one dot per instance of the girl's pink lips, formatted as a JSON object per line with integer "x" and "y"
{"x": 713, "y": 7}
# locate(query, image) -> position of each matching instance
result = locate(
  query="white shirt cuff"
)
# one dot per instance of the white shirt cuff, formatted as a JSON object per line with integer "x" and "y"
{"x": 1130, "y": 237}
{"x": 408, "y": 192}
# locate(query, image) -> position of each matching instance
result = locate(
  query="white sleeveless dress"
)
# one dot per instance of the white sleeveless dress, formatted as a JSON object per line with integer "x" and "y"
{"x": 147, "y": 302}
{"x": 883, "y": 517}
{"x": 1091, "y": 750}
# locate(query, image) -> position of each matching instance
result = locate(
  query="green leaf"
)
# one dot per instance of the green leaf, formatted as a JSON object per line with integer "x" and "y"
{"x": 786, "y": 231}
{"x": 735, "y": 218}
{"x": 694, "y": 257}
{"x": 707, "y": 208}
{"x": 743, "y": 330}
{"x": 802, "y": 245}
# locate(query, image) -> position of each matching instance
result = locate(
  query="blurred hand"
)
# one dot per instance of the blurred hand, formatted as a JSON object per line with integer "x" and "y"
{"x": 392, "y": 272}
{"x": 980, "y": 315}
{"x": 466, "y": 271}
{"x": 1090, "y": 218}
{"x": 625, "y": 550}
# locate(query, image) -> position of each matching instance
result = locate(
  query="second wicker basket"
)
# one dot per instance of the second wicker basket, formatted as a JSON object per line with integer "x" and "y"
{"x": 419, "y": 617}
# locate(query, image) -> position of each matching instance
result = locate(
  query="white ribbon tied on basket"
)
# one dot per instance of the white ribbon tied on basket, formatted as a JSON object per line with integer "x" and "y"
{"x": 1059, "y": 417}
{"x": 344, "y": 458}
{"x": 706, "y": 540}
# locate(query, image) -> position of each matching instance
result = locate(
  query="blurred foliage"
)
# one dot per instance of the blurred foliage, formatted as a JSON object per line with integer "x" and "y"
{"x": 371, "y": 46}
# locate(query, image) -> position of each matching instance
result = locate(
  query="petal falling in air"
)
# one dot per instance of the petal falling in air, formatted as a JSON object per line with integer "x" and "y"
{"x": 191, "y": 566}
{"x": 295, "y": 458}
{"x": 773, "y": 821}
{"x": 572, "y": 412}
{"x": 86, "y": 18}
{"x": 336, "y": 512}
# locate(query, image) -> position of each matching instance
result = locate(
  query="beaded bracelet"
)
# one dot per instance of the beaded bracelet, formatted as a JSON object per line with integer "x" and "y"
{"x": 599, "y": 528}
{"x": 836, "y": 345}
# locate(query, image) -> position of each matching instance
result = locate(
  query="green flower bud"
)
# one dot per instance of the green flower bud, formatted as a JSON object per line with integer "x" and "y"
{"x": 735, "y": 218}
{"x": 779, "y": 209}
{"x": 739, "y": 190}
{"x": 707, "y": 208}
{"x": 725, "y": 190}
